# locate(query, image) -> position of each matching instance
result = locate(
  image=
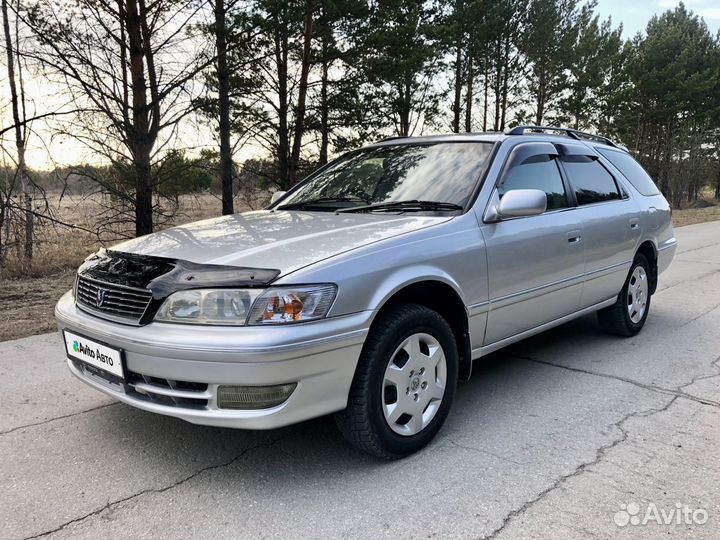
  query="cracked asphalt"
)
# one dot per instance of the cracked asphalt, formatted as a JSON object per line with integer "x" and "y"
{"x": 550, "y": 438}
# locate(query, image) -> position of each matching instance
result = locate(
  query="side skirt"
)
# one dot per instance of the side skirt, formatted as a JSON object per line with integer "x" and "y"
{"x": 481, "y": 351}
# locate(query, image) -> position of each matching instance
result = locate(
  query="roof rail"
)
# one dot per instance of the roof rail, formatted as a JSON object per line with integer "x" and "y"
{"x": 573, "y": 133}
{"x": 393, "y": 138}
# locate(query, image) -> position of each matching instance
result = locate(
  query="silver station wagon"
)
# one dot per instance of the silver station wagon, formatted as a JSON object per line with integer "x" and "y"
{"x": 369, "y": 289}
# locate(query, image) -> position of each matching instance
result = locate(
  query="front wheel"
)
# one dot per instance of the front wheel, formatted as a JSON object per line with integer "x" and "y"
{"x": 404, "y": 383}
{"x": 628, "y": 314}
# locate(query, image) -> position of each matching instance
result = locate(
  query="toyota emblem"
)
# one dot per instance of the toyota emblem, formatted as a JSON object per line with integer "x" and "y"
{"x": 101, "y": 296}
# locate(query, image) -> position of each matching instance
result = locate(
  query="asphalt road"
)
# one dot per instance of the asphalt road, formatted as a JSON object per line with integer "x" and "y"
{"x": 550, "y": 438}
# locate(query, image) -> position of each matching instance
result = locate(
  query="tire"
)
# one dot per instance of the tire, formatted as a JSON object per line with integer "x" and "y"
{"x": 627, "y": 316}
{"x": 389, "y": 380}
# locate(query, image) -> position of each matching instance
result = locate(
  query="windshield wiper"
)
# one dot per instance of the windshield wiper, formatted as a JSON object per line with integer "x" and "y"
{"x": 321, "y": 201}
{"x": 404, "y": 206}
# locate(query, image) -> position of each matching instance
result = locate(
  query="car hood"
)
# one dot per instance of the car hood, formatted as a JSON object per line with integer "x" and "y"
{"x": 284, "y": 240}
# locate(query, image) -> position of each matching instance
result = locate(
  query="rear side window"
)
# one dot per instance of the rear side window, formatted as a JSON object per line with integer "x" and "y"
{"x": 591, "y": 181}
{"x": 631, "y": 170}
{"x": 540, "y": 173}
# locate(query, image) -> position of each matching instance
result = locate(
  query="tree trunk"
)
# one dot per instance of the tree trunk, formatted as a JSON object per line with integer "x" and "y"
{"x": 27, "y": 201}
{"x": 469, "y": 96}
{"x": 324, "y": 113}
{"x": 406, "y": 107}
{"x": 140, "y": 143}
{"x": 540, "y": 103}
{"x": 485, "y": 97}
{"x": 666, "y": 160}
{"x": 497, "y": 86}
{"x": 281, "y": 59}
{"x": 19, "y": 136}
{"x": 505, "y": 85}
{"x": 578, "y": 112}
{"x": 4, "y": 207}
{"x": 302, "y": 94}
{"x": 458, "y": 84}
{"x": 223, "y": 75}
{"x": 143, "y": 192}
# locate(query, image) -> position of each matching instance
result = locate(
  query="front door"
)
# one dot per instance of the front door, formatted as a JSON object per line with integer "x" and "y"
{"x": 535, "y": 263}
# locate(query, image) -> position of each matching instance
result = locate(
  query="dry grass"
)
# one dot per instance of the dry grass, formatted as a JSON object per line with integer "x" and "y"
{"x": 58, "y": 248}
{"x": 28, "y": 296}
{"x": 27, "y": 304}
{"x": 690, "y": 216}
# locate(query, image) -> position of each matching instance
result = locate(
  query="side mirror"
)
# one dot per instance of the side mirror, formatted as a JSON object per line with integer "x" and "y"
{"x": 277, "y": 196}
{"x": 522, "y": 203}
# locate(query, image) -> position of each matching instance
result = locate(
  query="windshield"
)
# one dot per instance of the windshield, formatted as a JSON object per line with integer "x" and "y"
{"x": 441, "y": 172}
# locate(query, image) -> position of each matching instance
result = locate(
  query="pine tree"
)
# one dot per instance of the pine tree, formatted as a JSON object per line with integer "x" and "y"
{"x": 594, "y": 55}
{"x": 547, "y": 43}
{"x": 672, "y": 111}
{"x": 400, "y": 63}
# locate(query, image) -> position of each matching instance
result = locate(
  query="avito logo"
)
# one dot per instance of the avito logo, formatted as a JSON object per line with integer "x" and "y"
{"x": 95, "y": 354}
{"x": 633, "y": 514}
{"x": 78, "y": 347}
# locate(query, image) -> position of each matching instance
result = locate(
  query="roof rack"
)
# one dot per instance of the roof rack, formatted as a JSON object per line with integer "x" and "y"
{"x": 573, "y": 133}
{"x": 393, "y": 138}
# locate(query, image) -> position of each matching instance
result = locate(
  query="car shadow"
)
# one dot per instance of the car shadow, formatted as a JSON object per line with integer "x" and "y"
{"x": 316, "y": 443}
{"x": 501, "y": 383}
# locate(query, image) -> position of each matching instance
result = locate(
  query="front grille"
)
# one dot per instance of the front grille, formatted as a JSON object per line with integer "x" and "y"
{"x": 112, "y": 301}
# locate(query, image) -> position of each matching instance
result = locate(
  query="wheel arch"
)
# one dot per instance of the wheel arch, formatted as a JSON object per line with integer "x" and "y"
{"x": 648, "y": 249}
{"x": 443, "y": 298}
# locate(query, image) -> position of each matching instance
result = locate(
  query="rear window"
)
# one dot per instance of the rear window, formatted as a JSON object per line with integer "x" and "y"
{"x": 591, "y": 181}
{"x": 631, "y": 170}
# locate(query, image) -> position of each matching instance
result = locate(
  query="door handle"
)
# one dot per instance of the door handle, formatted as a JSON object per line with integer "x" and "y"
{"x": 574, "y": 237}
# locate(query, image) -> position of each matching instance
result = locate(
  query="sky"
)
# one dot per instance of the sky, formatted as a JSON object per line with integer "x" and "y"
{"x": 633, "y": 14}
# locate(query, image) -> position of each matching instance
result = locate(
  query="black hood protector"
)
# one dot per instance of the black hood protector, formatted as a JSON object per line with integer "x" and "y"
{"x": 163, "y": 276}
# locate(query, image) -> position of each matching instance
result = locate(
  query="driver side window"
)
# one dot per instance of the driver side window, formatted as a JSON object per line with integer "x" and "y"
{"x": 539, "y": 172}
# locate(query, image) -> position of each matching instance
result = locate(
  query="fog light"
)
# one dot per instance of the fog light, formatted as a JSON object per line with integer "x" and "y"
{"x": 253, "y": 397}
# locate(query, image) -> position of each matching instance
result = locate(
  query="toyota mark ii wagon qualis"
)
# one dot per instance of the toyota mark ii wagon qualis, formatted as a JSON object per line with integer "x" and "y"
{"x": 369, "y": 288}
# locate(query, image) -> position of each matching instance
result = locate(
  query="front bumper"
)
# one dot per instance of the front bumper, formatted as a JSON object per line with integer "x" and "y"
{"x": 319, "y": 356}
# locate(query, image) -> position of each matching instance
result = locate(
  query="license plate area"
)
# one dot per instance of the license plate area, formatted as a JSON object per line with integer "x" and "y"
{"x": 97, "y": 358}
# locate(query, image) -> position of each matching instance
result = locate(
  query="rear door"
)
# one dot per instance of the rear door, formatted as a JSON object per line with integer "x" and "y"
{"x": 610, "y": 218}
{"x": 535, "y": 263}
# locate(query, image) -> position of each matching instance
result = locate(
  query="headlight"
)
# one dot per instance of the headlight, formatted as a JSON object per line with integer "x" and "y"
{"x": 208, "y": 306}
{"x": 279, "y": 305}
{"x": 237, "y": 307}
